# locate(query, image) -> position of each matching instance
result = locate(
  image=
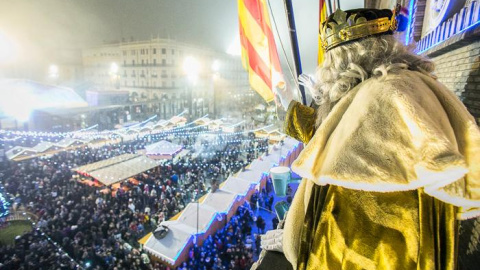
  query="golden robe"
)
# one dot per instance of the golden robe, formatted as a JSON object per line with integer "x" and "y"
{"x": 385, "y": 176}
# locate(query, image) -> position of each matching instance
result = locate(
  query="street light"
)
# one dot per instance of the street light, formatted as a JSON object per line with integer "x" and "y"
{"x": 53, "y": 73}
{"x": 215, "y": 70}
{"x": 191, "y": 67}
{"x": 8, "y": 49}
{"x": 114, "y": 74}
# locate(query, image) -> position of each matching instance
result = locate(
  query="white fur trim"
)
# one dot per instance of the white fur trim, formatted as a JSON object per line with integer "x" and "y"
{"x": 469, "y": 214}
{"x": 428, "y": 178}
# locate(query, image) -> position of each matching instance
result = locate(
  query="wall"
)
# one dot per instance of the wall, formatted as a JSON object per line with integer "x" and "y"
{"x": 459, "y": 70}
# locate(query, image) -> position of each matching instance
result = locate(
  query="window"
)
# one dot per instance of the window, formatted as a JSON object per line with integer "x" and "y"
{"x": 164, "y": 62}
{"x": 164, "y": 51}
{"x": 154, "y": 62}
{"x": 143, "y": 62}
{"x": 154, "y": 51}
{"x": 164, "y": 84}
{"x": 133, "y": 52}
{"x": 173, "y": 51}
{"x": 124, "y": 62}
{"x": 173, "y": 84}
{"x": 133, "y": 62}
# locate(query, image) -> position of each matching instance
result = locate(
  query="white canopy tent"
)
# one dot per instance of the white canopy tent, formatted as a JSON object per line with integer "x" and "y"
{"x": 164, "y": 149}
{"x": 19, "y": 152}
{"x": 170, "y": 247}
{"x": 116, "y": 169}
{"x": 221, "y": 200}
{"x": 253, "y": 176}
{"x": 189, "y": 216}
{"x": 236, "y": 185}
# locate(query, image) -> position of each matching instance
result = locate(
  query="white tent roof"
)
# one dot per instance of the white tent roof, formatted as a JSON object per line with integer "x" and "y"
{"x": 19, "y": 151}
{"x": 41, "y": 148}
{"x": 172, "y": 245}
{"x": 261, "y": 165}
{"x": 44, "y": 146}
{"x": 189, "y": 217}
{"x": 236, "y": 185}
{"x": 163, "y": 148}
{"x": 253, "y": 176}
{"x": 177, "y": 119}
{"x": 289, "y": 143}
{"x": 66, "y": 142}
{"x": 203, "y": 120}
{"x": 221, "y": 200}
{"x": 118, "y": 168}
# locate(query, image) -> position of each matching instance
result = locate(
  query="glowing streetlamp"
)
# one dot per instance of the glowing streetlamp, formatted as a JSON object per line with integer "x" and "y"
{"x": 8, "y": 49}
{"x": 114, "y": 74}
{"x": 53, "y": 71}
{"x": 216, "y": 66}
{"x": 235, "y": 48}
{"x": 216, "y": 71}
{"x": 191, "y": 67}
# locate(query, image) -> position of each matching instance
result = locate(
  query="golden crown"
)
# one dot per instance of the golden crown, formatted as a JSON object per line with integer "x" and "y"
{"x": 342, "y": 30}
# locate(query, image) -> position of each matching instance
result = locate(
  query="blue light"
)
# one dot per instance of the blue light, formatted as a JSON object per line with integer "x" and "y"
{"x": 410, "y": 17}
{"x": 463, "y": 30}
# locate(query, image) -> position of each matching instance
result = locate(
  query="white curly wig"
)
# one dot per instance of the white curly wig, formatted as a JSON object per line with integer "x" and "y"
{"x": 348, "y": 65}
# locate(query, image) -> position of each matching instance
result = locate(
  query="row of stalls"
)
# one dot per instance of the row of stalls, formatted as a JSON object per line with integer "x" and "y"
{"x": 110, "y": 172}
{"x": 219, "y": 124}
{"x": 272, "y": 133}
{"x": 150, "y": 127}
{"x": 19, "y": 153}
{"x": 203, "y": 218}
{"x": 94, "y": 138}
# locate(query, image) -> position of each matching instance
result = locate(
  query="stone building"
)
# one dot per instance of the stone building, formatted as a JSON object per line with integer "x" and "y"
{"x": 177, "y": 74}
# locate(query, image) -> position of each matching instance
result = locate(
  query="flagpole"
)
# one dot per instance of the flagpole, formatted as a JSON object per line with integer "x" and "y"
{"x": 294, "y": 45}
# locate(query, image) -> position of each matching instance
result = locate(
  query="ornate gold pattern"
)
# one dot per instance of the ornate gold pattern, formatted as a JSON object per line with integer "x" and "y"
{"x": 343, "y": 29}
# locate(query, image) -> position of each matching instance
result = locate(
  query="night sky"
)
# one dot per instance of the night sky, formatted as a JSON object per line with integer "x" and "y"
{"x": 40, "y": 27}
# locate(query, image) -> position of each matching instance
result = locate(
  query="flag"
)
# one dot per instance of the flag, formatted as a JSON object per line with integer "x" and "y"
{"x": 259, "y": 53}
{"x": 322, "y": 17}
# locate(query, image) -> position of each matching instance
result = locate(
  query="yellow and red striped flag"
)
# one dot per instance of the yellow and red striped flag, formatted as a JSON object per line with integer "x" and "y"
{"x": 259, "y": 53}
{"x": 321, "y": 18}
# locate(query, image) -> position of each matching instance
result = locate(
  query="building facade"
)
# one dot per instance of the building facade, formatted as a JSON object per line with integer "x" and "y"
{"x": 155, "y": 70}
{"x": 448, "y": 32}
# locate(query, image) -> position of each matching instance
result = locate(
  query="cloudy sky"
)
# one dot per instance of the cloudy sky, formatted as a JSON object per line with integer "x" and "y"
{"x": 39, "y": 27}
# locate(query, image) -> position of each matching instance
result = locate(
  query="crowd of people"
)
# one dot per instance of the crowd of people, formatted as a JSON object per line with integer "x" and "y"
{"x": 232, "y": 247}
{"x": 99, "y": 231}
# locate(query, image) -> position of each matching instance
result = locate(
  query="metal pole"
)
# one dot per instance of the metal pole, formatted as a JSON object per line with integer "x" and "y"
{"x": 294, "y": 45}
{"x": 198, "y": 208}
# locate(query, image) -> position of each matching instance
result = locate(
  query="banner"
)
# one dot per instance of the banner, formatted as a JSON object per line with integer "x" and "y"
{"x": 259, "y": 52}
